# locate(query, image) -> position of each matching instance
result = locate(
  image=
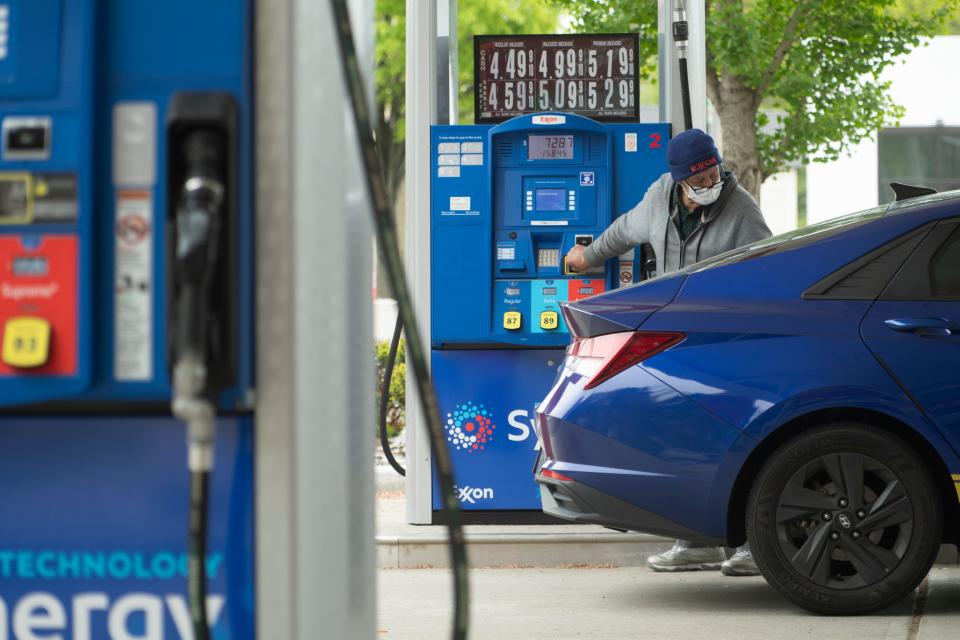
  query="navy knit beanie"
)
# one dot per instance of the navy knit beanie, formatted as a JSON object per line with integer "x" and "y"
{"x": 691, "y": 152}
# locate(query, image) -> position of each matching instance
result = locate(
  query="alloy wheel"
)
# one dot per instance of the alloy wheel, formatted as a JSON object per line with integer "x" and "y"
{"x": 844, "y": 521}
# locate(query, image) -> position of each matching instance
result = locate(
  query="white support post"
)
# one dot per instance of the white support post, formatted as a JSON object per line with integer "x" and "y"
{"x": 671, "y": 103}
{"x": 315, "y": 553}
{"x": 421, "y": 113}
{"x": 448, "y": 89}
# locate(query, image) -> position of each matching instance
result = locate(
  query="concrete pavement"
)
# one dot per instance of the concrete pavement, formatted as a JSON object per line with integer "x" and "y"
{"x": 634, "y": 603}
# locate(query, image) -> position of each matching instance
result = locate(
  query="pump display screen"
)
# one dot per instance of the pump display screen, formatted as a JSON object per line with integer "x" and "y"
{"x": 550, "y": 200}
{"x": 593, "y": 75}
{"x": 549, "y": 147}
{"x": 550, "y": 291}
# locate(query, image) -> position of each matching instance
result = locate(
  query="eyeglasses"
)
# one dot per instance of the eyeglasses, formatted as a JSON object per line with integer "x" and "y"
{"x": 702, "y": 190}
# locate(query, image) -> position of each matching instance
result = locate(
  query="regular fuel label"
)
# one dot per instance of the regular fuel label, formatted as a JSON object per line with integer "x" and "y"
{"x": 590, "y": 75}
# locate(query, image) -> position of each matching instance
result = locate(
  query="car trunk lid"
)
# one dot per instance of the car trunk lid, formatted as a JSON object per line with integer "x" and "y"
{"x": 620, "y": 309}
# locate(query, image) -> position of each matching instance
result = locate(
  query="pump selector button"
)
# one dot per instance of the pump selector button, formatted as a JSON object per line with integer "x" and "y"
{"x": 512, "y": 320}
{"x": 26, "y": 342}
{"x": 549, "y": 319}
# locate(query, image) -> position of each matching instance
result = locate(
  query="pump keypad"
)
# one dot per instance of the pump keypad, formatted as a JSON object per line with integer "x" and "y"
{"x": 548, "y": 258}
{"x": 26, "y": 342}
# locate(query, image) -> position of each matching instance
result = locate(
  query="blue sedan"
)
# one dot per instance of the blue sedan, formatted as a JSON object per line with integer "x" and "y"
{"x": 802, "y": 393}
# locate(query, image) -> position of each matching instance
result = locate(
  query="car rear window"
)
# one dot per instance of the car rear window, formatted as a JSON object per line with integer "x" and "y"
{"x": 789, "y": 240}
{"x": 945, "y": 269}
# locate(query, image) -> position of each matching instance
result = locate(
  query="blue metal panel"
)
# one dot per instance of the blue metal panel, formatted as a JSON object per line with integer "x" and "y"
{"x": 48, "y": 73}
{"x": 461, "y": 236}
{"x": 101, "y": 518}
{"x": 640, "y": 158}
{"x": 150, "y": 52}
{"x": 495, "y": 474}
{"x": 30, "y": 55}
{"x": 145, "y": 51}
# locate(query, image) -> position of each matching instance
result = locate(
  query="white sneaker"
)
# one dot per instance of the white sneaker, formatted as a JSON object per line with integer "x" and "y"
{"x": 740, "y": 564}
{"x": 684, "y": 558}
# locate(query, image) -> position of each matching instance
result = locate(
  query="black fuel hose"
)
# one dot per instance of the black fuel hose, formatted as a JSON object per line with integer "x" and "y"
{"x": 386, "y": 234}
{"x": 681, "y": 34}
{"x": 685, "y": 94}
{"x": 197, "y": 553}
{"x": 385, "y": 397}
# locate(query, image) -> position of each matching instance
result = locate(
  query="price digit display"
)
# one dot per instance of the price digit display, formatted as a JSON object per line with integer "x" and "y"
{"x": 591, "y": 75}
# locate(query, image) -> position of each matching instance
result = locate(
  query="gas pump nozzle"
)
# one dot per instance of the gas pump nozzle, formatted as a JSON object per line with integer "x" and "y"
{"x": 201, "y": 135}
{"x": 197, "y": 224}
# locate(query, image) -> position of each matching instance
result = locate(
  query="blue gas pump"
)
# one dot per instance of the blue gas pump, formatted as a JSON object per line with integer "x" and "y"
{"x": 507, "y": 203}
{"x": 126, "y": 242}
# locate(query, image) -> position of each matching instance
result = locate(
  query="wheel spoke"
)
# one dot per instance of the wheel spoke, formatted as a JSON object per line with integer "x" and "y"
{"x": 846, "y": 471}
{"x": 871, "y": 561}
{"x": 799, "y": 502}
{"x": 891, "y": 508}
{"x": 813, "y": 558}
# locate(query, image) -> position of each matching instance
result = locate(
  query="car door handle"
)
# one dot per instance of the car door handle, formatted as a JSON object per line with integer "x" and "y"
{"x": 924, "y": 326}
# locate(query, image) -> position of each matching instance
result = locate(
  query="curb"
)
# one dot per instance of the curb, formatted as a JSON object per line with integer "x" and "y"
{"x": 522, "y": 550}
{"x": 541, "y": 550}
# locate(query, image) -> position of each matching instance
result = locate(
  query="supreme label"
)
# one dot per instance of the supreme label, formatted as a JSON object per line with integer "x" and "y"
{"x": 38, "y": 279}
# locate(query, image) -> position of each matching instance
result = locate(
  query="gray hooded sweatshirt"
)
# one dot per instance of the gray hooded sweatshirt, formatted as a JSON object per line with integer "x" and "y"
{"x": 732, "y": 221}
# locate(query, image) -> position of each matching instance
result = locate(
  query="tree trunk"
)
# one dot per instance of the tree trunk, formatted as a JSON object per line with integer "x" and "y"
{"x": 737, "y": 106}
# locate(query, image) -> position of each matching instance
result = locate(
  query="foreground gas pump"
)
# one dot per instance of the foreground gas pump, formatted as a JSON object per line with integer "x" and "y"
{"x": 508, "y": 203}
{"x": 126, "y": 262}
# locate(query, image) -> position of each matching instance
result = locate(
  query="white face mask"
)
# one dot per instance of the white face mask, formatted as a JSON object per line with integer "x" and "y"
{"x": 705, "y": 197}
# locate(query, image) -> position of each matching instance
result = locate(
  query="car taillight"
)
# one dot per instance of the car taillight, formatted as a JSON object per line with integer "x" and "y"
{"x": 603, "y": 357}
{"x": 553, "y": 475}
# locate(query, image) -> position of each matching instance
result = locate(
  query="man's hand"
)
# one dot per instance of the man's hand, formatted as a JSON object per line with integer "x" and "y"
{"x": 576, "y": 261}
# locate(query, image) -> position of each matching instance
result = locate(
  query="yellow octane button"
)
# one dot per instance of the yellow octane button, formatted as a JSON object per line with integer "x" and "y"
{"x": 549, "y": 319}
{"x": 26, "y": 342}
{"x": 512, "y": 320}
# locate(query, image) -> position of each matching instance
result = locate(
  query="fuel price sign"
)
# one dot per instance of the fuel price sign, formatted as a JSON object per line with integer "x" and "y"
{"x": 591, "y": 75}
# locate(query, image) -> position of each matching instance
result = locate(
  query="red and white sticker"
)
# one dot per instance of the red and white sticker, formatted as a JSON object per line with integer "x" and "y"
{"x": 133, "y": 292}
{"x": 549, "y": 119}
{"x": 626, "y": 273}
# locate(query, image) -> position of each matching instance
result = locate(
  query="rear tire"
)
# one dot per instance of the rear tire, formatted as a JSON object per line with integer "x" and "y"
{"x": 844, "y": 519}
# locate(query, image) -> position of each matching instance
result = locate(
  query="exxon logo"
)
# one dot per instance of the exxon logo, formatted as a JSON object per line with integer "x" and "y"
{"x": 549, "y": 119}
{"x": 470, "y": 495}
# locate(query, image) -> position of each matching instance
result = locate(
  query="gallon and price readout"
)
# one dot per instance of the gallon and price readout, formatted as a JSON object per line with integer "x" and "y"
{"x": 590, "y": 75}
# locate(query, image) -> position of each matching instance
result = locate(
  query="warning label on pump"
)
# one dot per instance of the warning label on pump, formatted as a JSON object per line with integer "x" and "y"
{"x": 133, "y": 293}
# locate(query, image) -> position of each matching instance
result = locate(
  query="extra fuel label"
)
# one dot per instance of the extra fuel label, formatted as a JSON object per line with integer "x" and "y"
{"x": 133, "y": 293}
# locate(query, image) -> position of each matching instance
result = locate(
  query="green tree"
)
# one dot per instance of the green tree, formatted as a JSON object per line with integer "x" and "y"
{"x": 494, "y": 17}
{"x": 814, "y": 66}
{"x": 389, "y": 81}
{"x": 476, "y": 17}
{"x": 904, "y": 8}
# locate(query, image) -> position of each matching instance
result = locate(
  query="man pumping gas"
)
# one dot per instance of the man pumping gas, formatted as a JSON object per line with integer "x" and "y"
{"x": 694, "y": 212}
